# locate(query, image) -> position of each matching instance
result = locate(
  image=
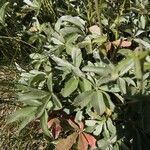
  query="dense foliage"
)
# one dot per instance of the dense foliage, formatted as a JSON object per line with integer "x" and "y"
{"x": 90, "y": 82}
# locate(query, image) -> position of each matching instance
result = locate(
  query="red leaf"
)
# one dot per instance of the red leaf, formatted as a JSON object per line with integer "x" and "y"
{"x": 122, "y": 43}
{"x": 33, "y": 29}
{"x": 82, "y": 142}
{"x": 77, "y": 126}
{"x": 81, "y": 125}
{"x": 73, "y": 124}
{"x": 56, "y": 127}
{"x": 95, "y": 30}
{"x": 91, "y": 140}
{"x": 108, "y": 46}
{"x": 66, "y": 144}
{"x": 50, "y": 122}
{"x": 56, "y": 130}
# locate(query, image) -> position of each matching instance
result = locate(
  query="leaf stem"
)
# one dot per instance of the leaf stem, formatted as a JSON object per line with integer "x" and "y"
{"x": 98, "y": 12}
{"x": 17, "y": 39}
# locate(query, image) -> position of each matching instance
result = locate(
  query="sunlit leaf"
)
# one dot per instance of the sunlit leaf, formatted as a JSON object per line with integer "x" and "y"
{"x": 83, "y": 99}
{"x": 66, "y": 144}
{"x": 122, "y": 43}
{"x": 49, "y": 82}
{"x": 85, "y": 85}
{"x": 82, "y": 142}
{"x": 2, "y": 13}
{"x": 143, "y": 21}
{"x": 76, "y": 56}
{"x": 73, "y": 124}
{"x": 43, "y": 121}
{"x": 142, "y": 42}
{"x": 55, "y": 126}
{"x": 70, "y": 87}
{"x": 110, "y": 88}
{"x": 98, "y": 102}
{"x": 122, "y": 85}
{"x": 99, "y": 70}
{"x": 21, "y": 113}
{"x": 137, "y": 68}
{"x": 91, "y": 140}
{"x": 26, "y": 121}
{"x": 95, "y": 30}
{"x": 100, "y": 40}
{"x": 56, "y": 101}
{"x": 42, "y": 108}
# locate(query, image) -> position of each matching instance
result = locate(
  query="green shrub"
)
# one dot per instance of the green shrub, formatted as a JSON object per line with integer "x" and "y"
{"x": 90, "y": 86}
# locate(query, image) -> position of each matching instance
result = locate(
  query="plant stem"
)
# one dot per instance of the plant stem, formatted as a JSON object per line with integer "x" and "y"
{"x": 17, "y": 39}
{"x": 98, "y": 12}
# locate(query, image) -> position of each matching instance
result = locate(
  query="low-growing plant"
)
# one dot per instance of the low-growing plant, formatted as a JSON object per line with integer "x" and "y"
{"x": 84, "y": 96}
{"x": 89, "y": 84}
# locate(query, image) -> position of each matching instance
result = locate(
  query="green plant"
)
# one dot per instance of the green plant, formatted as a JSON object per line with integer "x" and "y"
{"x": 72, "y": 83}
{"x": 89, "y": 86}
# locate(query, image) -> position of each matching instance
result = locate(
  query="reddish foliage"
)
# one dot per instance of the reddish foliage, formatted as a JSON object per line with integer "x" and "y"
{"x": 56, "y": 127}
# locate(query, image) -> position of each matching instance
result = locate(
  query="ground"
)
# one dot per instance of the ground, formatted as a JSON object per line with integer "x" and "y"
{"x": 29, "y": 138}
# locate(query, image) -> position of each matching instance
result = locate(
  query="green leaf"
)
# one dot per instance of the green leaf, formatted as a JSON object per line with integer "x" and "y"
{"x": 49, "y": 105}
{"x": 102, "y": 144}
{"x": 85, "y": 85}
{"x": 83, "y": 99}
{"x": 50, "y": 82}
{"x": 70, "y": 87}
{"x": 56, "y": 102}
{"x": 2, "y": 13}
{"x": 105, "y": 80}
{"x": 144, "y": 43}
{"x": 129, "y": 81}
{"x": 125, "y": 52}
{"x": 106, "y": 132}
{"x": 36, "y": 56}
{"x": 74, "y": 20}
{"x": 108, "y": 101}
{"x": 122, "y": 85}
{"x": 31, "y": 102}
{"x": 37, "y": 77}
{"x": 70, "y": 30}
{"x": 43, "y": 122}
{"x": 21, "y": 113}
{"x": 111, "y": 127}
{"x": 76, "y": 56}
{"x": 32, "y": 93}
{"x": 62, "y": 63}
{"x": 87, "y": 44}
{"x": 100, "y": 40}
{"x": 124, "y": 66}
{"x": 26, "y": 121}
{"x": 57, "y": 36}
{"x": 137, "y": 68}
{"x": 72, "y": 38}
{"x": 114, "y": 88}
{"x": 79, "y": 116}
{"x": 90, "y": 123}
{"x": 143, "y": 21}
{"x": 42, "y": 108}
{"x": 146, "y": 66}
{"x": 103, "y": 71}
{"x": 98, "y": 102}
{"x": 78, "y": 72}
{"x": 98, "y": 129}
